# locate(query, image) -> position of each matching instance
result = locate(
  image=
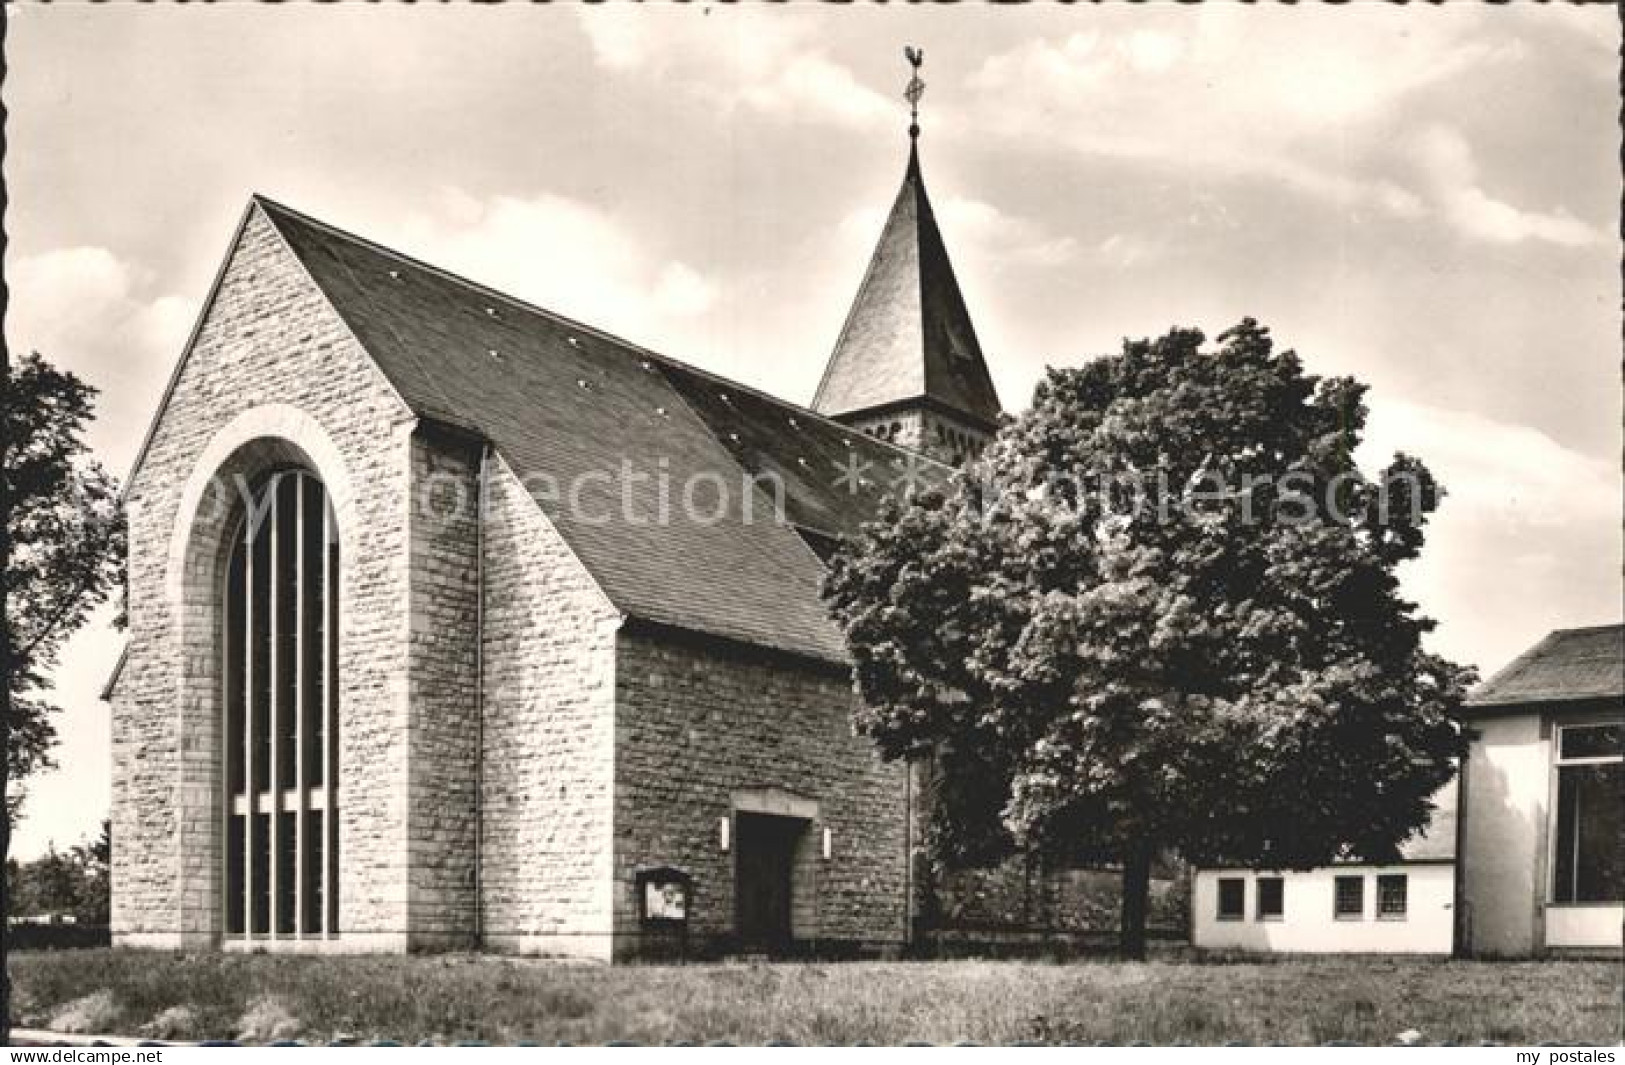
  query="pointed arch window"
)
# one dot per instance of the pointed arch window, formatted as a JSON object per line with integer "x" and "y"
{"x": 280, "y": 607}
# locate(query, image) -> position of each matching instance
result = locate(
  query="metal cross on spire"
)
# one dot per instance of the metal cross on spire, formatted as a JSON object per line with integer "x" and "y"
{"x": 915, "y": 89}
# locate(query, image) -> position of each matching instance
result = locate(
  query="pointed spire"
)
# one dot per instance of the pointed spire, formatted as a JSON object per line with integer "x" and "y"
{"x": 908, "y": 341}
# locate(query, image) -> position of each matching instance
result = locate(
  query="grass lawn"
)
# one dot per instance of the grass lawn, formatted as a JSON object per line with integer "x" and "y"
{"x": 504, "y": 1000}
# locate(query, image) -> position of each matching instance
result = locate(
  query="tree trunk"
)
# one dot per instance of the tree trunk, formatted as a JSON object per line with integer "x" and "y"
{"x": 1136, "y": 897}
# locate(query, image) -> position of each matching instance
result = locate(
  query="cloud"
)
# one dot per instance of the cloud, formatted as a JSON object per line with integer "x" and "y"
{"x": 1527, "y": 538}
{"x": 682, "y": 292}
{"x": 812, "y": 85}
{"x": 618, "y": 35}
{"x": 84, "y": 309}
{"x": 1123, "y": 250}
{"x": 975, "y": 231}
{"x": 87, "y": 310}
{"x": 758, "y": 61}
{"x": 1236, "y": 93}
{"x": 1501, "y": 473}
{"x": 570, "y": 257}
{"x": 1446, "y": 160}
{"x": 1152, "y": 51}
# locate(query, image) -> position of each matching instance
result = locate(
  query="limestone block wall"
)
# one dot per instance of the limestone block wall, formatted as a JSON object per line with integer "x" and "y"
{"x": 548, "y": 736}
{"x": 699, "y": 724}
{"x": 273, "y": 376}
{"x": 443, "y": 702}
{"x": 943, "y": 438}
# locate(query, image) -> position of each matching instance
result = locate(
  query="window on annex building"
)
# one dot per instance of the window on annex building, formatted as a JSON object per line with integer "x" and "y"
{"x": 1349, "y": 902}
{"x": 281, "y": 713}
{"x": 1232, "y": 898}
{"x": 1271, "y": 898}
{"x": 1393, "y": 897}
{"x": 1588, "y": 860}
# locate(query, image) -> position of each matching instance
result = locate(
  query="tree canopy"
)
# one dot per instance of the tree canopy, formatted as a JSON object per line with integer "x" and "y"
{"x": 62, "y": 540}
{"x": 66, "y": 539}
{"x": 73, "y": 884}
{"x": 1161, "y": 613}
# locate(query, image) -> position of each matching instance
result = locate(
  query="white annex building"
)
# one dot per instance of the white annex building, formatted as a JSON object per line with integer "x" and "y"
{"x": 1524, "y": 857}
{"x": 1543, "y": 801}
{"x": 1406, "y": 907}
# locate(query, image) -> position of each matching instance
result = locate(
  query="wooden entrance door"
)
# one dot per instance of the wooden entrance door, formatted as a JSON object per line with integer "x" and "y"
{"x": 764, "y": 860}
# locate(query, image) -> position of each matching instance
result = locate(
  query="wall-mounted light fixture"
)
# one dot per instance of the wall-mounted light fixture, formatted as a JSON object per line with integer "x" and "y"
{"x": 723, "y": 827}
{"x": 829, "y": 844}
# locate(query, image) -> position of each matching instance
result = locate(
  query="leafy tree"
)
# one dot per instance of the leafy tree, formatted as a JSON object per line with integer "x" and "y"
{"x": 61, "y": 555}
{"x": 14, "y": 888}
{"x": 1160, "y": 615}
{"x": 74, "y": 882}
{"x": 93, "y": 864}
{"x": 50, "y": 885}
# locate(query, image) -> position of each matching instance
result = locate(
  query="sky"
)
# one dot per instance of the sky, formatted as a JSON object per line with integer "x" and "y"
{"x": 1425, "y": 198}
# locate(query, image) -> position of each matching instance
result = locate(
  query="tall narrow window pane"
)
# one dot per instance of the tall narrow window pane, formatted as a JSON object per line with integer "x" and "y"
{"x": 1590, "y": 849}
{"x": 259, "y": 887}
{"x": 331, "y": 894}
{"x": 279, "y": 643}
{"x": 259, "y": 619}
{"x": 1271, "y": 898}
{"x": 1232, "y": 898}
{"x": 233, "y": 629}
{"x": 286, "y": 840}
{"x": 312, "y": 625}
{"x": 285, "y": 545}
{"x": 234, "y": 876}
{"x": 311, "y": 838}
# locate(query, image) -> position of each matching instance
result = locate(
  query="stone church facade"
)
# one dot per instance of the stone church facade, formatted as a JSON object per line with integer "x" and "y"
{"x": 428, "y": 649}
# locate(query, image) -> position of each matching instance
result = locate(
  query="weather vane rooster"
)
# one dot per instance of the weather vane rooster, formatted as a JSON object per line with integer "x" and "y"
{"x": 915, "y": 89}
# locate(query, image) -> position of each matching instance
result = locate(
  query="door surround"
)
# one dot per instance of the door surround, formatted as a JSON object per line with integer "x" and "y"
{"x": 802, "y": 887}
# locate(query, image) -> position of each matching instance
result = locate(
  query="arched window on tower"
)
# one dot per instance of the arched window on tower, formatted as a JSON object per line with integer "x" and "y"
{"x": 280, "y": 631}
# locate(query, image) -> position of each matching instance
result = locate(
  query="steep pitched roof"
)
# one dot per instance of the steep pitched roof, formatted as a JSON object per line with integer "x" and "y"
{"x": 563, "y": 402}
{"x": 1568, "y": 664}
{"x": 908, "y": 335}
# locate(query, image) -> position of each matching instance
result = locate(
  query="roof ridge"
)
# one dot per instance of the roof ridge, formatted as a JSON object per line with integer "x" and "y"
{"x": 908, "y": 334}
{"x": 561, "y": 319}
{"x": 746, "y": 472}
{"x": 911, "y": 170}
{"x": 1615, "y": 626}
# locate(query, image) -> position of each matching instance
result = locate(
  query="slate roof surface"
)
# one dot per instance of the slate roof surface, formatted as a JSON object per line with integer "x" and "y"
{"x": 563, "y": 401}
{"x": 1568, "y": 664}
{"x": 909, "y": 334}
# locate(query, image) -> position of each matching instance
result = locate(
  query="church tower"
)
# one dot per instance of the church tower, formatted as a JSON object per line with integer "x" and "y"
{"x": 907, "y": 366}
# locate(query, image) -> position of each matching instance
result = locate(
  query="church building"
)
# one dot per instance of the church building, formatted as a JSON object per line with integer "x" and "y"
{"x": 456, "y": 624}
